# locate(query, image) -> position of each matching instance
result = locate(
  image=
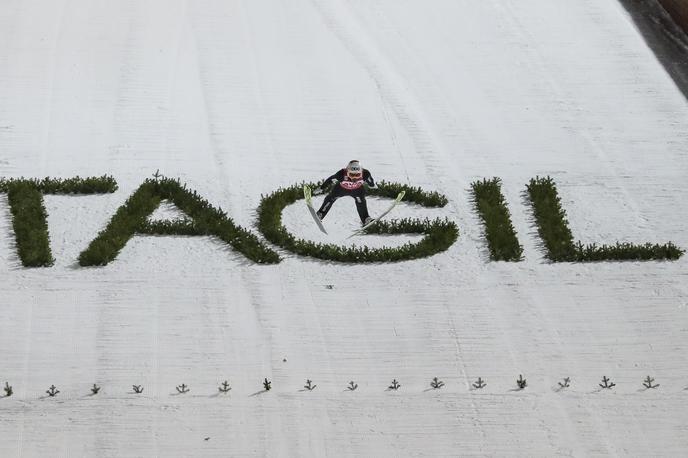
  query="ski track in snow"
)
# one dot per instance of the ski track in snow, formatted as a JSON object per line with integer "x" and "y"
{"x": 239, "y": 98}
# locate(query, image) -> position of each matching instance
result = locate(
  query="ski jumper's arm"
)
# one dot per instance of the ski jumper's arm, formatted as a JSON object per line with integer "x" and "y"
{"x": 368, "y": 178}
{"x": 339, "y": 176}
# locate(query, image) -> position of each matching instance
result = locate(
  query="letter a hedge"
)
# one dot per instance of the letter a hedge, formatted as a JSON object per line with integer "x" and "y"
{"x": 131, "y": 218}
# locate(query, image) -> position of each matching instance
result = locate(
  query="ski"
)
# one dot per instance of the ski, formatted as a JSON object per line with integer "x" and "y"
{"x": 308, "y": 195}
{"x": 382, "y": 215}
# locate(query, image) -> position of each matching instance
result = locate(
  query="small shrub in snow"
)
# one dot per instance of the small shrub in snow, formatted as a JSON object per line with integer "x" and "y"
{"x": 8, "y": 389}
{"x": 395, "y": 385}
{"x": 267, "y": 385}
{"x": 183, "y": 388}
{"x": 436, "y": 384}
{"x": 479, "y": 384}
{"x": 521, "y": 382}
{"x": 52, "y": 391}
{"x": 95, "y": 389}
{"x": 309, "y": 385}
{"x": 649, "y": 383}
{"x": 64, "y": 186}
{"x": 352, "y": 386}
{"x": 224, "y": 387}
{"x": 138, "y": 389}
{"x": 499, "y": 230}
{"x": 566, "y": 383}
{"x": 605, "y": 383}
{"x": 30, "y": 224}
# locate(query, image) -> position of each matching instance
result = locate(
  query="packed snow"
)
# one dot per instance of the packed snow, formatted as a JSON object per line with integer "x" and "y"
{"x": 239, "y": 98}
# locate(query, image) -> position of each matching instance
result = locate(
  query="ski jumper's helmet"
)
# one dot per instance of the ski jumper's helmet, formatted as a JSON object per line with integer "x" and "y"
{"x": 354, "y": 171}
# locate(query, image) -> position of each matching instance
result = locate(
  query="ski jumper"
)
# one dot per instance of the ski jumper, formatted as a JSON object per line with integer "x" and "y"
{"x": 344, "y": 186}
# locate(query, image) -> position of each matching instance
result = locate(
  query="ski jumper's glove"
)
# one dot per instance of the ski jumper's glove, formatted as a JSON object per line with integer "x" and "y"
{"x": 328, "y": 183}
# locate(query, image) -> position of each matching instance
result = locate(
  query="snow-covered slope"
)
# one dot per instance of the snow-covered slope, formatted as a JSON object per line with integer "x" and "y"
{"x": 238, "y": 98}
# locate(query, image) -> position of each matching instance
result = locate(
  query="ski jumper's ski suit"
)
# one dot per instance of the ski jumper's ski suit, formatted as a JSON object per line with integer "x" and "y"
{"x": 344, "y": 186}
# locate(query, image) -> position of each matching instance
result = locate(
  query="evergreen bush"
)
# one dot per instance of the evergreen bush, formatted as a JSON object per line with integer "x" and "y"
{"x": 605, "y": 383}
{"x": 29, "y": 217}
{"x": 436, "y": 383}
{"x": 479, "y": 384}
{"x": 413, "y": 194}
{"x": 521, "y": 382}
{"x": 439, "y": 234}
{"x": 52, "y": 391}
{"x": 499, "y": 230}
{"x": 30, "y": 224}
{"x": 76, "y": 185}
{"x": 649, "y": 383}
{"x": 554, "y": 231}
{"x": 131, "y": 218}
{"x": 224, "y": 387}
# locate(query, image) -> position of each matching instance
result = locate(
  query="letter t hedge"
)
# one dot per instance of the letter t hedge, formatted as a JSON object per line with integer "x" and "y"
{"x": 29, "y": 217}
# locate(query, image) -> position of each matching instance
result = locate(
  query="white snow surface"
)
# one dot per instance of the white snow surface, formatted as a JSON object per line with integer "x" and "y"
{"x": 239, "y": 98}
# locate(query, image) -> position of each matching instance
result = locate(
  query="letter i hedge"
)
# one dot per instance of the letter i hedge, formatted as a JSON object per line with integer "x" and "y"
{"x": 499, "y": 230}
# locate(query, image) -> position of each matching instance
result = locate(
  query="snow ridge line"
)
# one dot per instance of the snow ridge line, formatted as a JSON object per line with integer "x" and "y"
{"x": 390, "y": 85}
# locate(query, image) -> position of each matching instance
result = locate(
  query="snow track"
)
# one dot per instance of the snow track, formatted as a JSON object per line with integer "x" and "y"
{"x": 238, "y": 98}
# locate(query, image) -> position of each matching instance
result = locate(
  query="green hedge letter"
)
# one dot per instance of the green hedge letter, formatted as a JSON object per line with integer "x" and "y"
{"x": 131, "y": 218}
{"x": 29, "y": 218}
{"x": 554, "y": 231}
{"x": 439, "y": 234}
{"x": 499, "y": 230}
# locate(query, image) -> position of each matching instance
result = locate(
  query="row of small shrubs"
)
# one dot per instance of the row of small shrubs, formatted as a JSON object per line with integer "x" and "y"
{"x": 29, "y": 217}
{"x": 435, "y": 383}
{"x": 131, "y": 217}
{"x": 554, "y": 231}
{"x": 499, "y": 230}
{"x": 439, "y": 234}
{"x": 75, "y": 185}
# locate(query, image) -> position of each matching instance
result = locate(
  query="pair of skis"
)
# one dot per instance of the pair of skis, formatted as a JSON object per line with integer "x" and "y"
{"x": 308, "y": 195}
